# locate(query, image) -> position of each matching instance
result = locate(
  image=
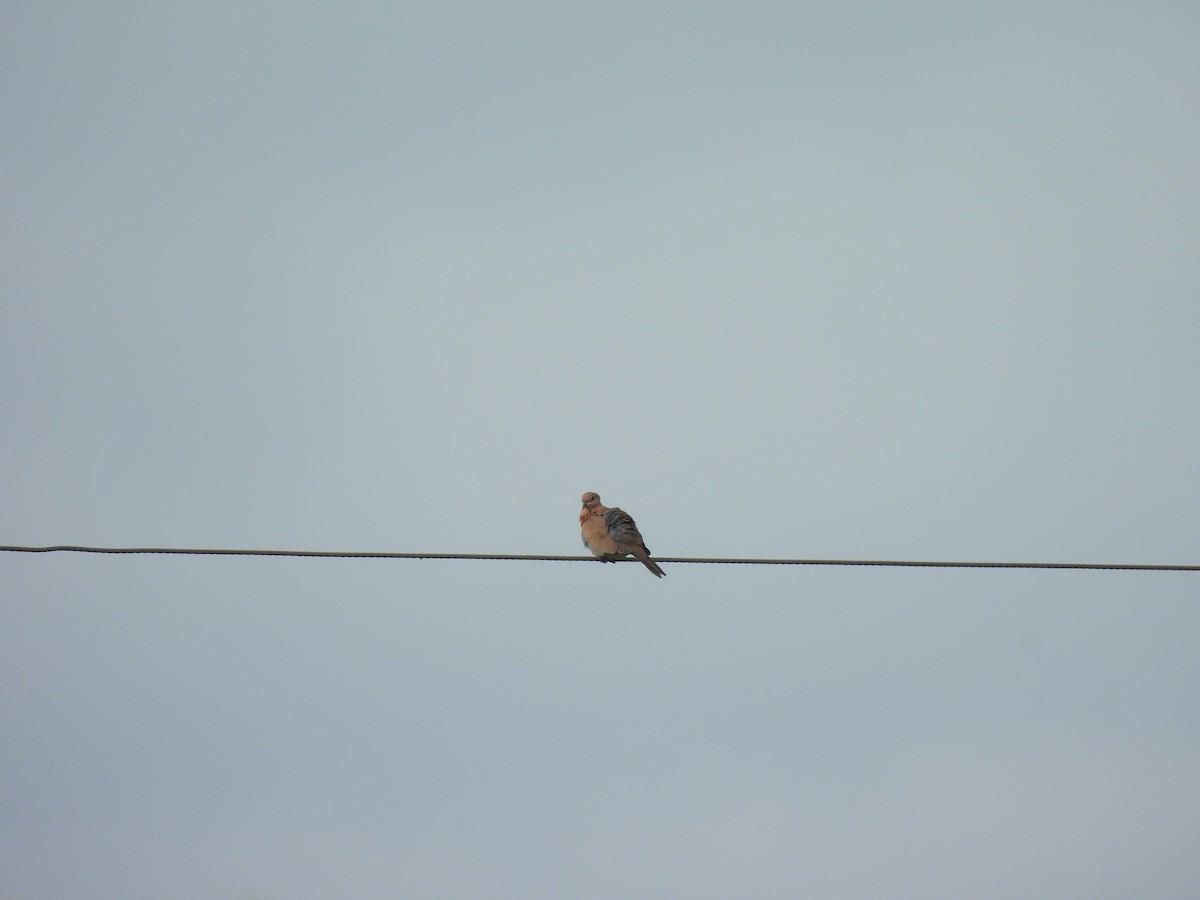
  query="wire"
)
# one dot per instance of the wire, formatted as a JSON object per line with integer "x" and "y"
{"x": 661, "y": 559}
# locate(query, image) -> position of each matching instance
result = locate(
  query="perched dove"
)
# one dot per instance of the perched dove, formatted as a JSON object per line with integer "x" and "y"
{"x": 611, "y": 534}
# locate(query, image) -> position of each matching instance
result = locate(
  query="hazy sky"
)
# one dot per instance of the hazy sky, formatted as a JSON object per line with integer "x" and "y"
{"x": 900, "y": 281}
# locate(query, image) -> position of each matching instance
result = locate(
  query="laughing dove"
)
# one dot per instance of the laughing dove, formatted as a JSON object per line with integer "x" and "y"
{"x": 611, "y": 534}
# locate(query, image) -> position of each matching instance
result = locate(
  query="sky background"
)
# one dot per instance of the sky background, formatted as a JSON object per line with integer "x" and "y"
{"x": 828, "y": 280}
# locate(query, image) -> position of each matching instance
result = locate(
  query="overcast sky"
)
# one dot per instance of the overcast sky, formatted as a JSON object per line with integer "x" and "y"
{"x": 833, "y": 280}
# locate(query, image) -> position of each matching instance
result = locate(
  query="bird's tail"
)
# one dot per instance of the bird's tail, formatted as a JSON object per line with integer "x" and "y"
{"x": 645, "y": 560}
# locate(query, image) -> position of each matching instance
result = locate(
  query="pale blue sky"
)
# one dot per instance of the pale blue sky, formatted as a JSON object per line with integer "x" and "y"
{"x": 796, "y": 280}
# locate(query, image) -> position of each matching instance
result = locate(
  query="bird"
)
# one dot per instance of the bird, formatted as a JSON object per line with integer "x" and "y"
{"x": 611, "y": 534}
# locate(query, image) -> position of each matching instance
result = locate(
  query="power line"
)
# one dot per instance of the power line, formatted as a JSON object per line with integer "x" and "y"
{"x": 662, "y": 559}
